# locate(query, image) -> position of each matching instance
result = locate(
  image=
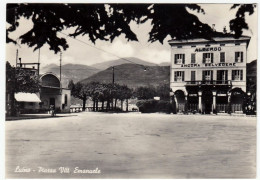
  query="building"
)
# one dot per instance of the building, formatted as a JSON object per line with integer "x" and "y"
{"x": 50, "y": 93}
{"x": 209, "y": 76}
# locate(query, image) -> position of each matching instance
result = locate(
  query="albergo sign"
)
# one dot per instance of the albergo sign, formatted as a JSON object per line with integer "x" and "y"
{"x": 208, "y": 49}
{"x": 209, "y": 65}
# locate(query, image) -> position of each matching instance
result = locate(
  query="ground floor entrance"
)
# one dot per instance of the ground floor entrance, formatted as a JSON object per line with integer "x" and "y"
{"x": 209, "y": 100}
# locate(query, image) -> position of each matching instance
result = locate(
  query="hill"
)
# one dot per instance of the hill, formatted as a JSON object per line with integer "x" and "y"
{"x": 75, "y": 72}
{"x": 251, "y": 76}
{"x": 133, "y": 75}
{"x": 105, "y": 65}
{"x": 165, "y": 64}
{"x": 251, "y": 69}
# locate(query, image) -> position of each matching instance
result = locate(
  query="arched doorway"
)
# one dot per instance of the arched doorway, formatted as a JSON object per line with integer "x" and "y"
{"x": 180, "y": 101}
{"x": 207, "y": 100}
{"x": 237, "y": 100}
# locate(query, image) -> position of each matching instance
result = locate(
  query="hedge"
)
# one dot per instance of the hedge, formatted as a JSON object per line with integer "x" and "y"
{"x": 151, "y": 106}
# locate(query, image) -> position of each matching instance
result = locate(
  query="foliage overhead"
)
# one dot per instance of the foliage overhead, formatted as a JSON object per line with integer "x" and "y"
{"x": 21, "y": 80}
{"x": 108, "y": 21}
{"x": 239, "y": 23}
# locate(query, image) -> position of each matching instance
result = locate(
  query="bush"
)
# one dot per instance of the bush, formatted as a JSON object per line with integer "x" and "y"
{"x": 151, "y": 106}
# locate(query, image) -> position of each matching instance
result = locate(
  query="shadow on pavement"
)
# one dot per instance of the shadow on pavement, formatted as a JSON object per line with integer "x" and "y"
{"x": 35, "y": 116}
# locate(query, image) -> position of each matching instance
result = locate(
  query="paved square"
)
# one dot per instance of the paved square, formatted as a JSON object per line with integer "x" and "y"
{"x": 132, "y": 146}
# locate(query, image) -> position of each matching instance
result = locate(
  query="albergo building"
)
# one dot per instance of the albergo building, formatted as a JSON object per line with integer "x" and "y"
{"x": 209, "y": 76}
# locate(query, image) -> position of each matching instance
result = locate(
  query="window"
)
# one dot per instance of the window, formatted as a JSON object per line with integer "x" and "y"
{"x": 222, "y": 76}
{"x": 179, "y": 59}
{"x": 207, "y": 75}
{"x": 66, "y": 100}
{"x": 207, "y": 57}
{"x": 238, "y": 56}
{"x": 237, "y": 75}
{"x": 193, "y": 76}
{"x": 179, "y": 46}
{"x": 222, "y": 57}
{"x": 179, "y": 76}
{"x": 193, "y": 58}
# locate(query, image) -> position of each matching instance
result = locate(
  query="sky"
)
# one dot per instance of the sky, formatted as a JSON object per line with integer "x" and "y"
{"x": 80, "y": 53}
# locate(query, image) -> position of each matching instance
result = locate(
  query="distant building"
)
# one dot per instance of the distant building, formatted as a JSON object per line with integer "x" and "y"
{"x": 209, "y": 76}
{"x": 50, "y": 93}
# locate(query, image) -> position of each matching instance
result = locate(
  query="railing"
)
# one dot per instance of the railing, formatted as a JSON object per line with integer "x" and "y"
{"x": 236, "y": 108}
{"x": 222, "y": 108}
{"x": 192, "y": 107}
{"x": 205, "y": 82}
{"x": 181, "y": 107}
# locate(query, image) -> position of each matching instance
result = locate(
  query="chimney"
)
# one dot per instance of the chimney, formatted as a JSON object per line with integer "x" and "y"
{"x": 213, "y": 27}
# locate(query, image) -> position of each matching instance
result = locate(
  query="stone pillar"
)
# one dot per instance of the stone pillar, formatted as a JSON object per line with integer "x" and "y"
{"x": 176, "y": 103}
{"x": 186, "y": 103}
{"x": 214, "y": 93}
{"x": 229, "y": 102}
{"x": 200, "y": 104}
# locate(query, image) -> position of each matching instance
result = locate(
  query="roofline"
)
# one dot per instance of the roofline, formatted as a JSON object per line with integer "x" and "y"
{"x": 203, "y": 41}
{"x": 50, "y": 74}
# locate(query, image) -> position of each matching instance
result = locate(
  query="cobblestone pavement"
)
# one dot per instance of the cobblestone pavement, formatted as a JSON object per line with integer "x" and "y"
{"x": 132, "y": 145}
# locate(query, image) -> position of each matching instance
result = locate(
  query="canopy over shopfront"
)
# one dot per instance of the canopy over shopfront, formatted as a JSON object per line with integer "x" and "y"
{"x": 26, "y": 97}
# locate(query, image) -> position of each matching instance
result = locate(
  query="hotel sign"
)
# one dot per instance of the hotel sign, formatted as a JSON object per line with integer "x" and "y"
{"x": 208, "y": 49}
{"x": 209, "y": 65}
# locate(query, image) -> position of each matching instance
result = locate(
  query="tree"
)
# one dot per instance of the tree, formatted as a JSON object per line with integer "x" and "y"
{"x": 19, "y": 80}
{"x": 163, "y": 91}
{"x": 108, "y": 21}
{"x": 145, "y": 92}
{"x": 79, "y": 91}
{"x": 126, "y": 93}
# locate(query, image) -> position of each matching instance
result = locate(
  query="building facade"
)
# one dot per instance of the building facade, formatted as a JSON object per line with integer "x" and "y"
{"x": 52, "y": 93}
{"x": 209, "y": 76}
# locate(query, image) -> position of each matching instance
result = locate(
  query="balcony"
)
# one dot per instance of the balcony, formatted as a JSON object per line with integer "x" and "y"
{"x": 208, "y": 82}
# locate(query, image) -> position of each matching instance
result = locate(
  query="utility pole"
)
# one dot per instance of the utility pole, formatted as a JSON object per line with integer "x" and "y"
{"x": 16, "y": 57}
{"x": 39, "y": 56}
{"x": 113, "y": 69}
{"x": 60, "y": 65}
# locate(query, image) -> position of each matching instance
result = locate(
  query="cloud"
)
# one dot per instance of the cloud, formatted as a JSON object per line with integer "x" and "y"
{"x": 155, "y": 55}
{"x": 117, "y": 48}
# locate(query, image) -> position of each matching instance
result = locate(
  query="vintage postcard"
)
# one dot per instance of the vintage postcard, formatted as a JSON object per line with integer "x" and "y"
{"x": 130, "y": 90}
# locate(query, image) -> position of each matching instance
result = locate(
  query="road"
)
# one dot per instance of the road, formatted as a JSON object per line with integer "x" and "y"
{"x": 132, "y": 145}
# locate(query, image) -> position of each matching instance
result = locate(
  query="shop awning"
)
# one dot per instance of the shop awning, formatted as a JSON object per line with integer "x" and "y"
{"x": 26, "y": 97}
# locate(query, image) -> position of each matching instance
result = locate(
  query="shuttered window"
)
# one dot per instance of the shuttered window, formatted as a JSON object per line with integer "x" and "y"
{"x": 207, "y": 75}
{"x": 193, "y": 58}
{"x": 237, "y": 75}
{"x": 208, "y": 58}
{"x": 239, "y": 56}
{"x": 222, "y": 75}
{"x": 179, "y": 58}
{"x": 222, "y": 57}
{"x": 179, "y": 76}
{"x": 193, "y": 76}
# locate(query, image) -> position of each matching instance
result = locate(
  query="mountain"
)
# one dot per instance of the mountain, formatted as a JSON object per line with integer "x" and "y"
{"x": 105, "y": 65}
{"x": 165, "y": 64}
{"x": 251, "y": 68}
{"x": 75, "y": 72}
{"x": 251, "y": 77}
{"x": 133, "y": 75}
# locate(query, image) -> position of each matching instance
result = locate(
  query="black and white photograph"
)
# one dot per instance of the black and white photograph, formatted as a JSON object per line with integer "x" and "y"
{"x": 119, "y": 90}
